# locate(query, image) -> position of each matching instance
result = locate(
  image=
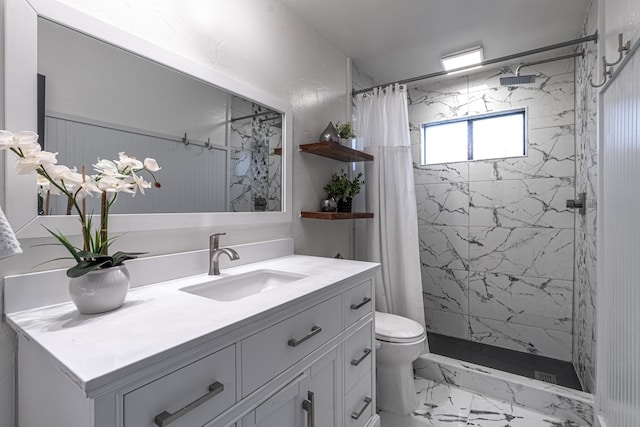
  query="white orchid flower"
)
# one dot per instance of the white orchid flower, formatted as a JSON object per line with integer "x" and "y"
{"x": 23, "y": 139}
{"x": 139, "y": 182}
{"x": 151, "y": 164}
{"x": 127, "y": 164}
{"x": 34, "y": 158}
{"x": 107, "y": 168}
{"x": 112, "y": 184}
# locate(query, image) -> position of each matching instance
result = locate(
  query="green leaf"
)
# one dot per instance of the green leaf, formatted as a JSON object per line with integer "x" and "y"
{"x": 120, "y": 257}
{"x": 84, "y": 267}
{"x": 67, "y": 244}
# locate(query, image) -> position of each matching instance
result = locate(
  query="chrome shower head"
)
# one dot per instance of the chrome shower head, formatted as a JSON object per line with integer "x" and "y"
{"x": 517, "y": 80}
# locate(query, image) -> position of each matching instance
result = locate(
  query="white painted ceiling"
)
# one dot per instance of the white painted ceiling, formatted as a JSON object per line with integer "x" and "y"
{"x": 397, "y": 39}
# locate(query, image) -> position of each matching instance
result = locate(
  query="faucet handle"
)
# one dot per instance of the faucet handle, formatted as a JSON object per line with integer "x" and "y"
{"x": 214, "y": 240}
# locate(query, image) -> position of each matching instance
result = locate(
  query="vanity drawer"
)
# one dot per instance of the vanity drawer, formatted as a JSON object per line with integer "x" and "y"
{"x": 358, "y": 405}
{"x": 357, "y": 302}
{"x": 271, "y": 351}
{"x": 191, "y": 395}
{"x": 358, "y": 356}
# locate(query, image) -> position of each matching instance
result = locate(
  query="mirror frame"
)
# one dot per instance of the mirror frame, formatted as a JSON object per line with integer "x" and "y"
{"x": 20, "y": 106}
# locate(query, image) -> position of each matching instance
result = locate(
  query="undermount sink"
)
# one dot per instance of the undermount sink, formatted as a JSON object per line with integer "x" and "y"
{"x": 232, "y": 288}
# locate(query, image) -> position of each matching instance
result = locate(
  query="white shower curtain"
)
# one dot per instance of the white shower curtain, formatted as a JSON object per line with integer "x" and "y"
{"x": 382, "y": 126}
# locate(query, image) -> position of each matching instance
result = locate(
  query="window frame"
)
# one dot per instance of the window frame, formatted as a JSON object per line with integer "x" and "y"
{"x": 470, "y": 120}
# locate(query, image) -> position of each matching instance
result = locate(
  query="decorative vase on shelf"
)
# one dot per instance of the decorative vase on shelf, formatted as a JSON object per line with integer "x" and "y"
{"x": 328, "y": 205}
{"x": 346, "y": 142}
{"x": 345, "y": 205}
{"x": 330, "y": 133}
{"x": 100, "y": 290}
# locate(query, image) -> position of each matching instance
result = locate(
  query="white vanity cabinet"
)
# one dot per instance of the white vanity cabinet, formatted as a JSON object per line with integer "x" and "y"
{"x": 309, "y": 363}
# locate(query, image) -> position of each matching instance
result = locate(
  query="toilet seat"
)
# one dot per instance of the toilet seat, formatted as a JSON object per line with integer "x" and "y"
{"x": 397, "y": 329}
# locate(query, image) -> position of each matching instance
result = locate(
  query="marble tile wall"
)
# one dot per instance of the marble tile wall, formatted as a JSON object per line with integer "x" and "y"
{"x": 255, "y": 171}
{"x": 496, "y": 239}
{"x": 585, "y": 295}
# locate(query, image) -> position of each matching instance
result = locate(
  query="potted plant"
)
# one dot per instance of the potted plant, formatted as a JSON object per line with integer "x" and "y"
{"x": 98, "y": 282}
{"x": 342, "y": 189}
{"x": 345, "y": 132}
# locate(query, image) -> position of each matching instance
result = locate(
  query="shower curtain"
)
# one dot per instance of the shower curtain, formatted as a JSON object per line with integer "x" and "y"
{"x": 382, "y": 126}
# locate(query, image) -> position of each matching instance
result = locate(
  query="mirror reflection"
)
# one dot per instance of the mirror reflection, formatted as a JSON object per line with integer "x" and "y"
{"x": 219, "y": 152}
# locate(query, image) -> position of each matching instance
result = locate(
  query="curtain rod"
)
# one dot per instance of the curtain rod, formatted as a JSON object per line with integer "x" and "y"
{"x": 591, "y": 38}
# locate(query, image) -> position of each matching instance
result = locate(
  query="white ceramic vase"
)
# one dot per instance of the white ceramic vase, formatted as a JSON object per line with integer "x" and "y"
{"x": 100, "y": 290}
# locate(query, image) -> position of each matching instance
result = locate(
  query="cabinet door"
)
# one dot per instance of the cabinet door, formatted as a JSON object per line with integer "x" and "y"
{"x": 283, "y": 409}
{"x": 325, "y": 385}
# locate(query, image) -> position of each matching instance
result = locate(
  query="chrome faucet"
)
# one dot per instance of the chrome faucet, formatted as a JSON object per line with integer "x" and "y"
{"x": 215, "y": 251}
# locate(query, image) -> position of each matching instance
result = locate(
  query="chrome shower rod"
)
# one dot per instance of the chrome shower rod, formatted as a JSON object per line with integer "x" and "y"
{"x": 591, "y": 38}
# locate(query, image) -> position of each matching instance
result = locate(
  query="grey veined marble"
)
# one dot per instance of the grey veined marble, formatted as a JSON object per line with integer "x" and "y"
{"x": 496, "y": 237}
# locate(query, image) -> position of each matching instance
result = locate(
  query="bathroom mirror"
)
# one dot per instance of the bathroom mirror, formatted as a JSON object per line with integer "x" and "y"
{"x": 224, "y": 146}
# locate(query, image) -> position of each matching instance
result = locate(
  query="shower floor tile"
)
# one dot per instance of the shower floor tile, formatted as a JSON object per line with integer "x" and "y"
{"x": 442, "y": 405}
{"x": 503, "y": 359}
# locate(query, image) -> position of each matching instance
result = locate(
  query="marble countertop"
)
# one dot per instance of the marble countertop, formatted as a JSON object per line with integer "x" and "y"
{"x": 159, "y": 320}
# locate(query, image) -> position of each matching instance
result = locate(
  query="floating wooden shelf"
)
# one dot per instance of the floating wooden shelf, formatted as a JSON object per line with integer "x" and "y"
{"x": 335, "y": 215}
{"x": 335, "y": 151}
{"x": 277, "y": 151}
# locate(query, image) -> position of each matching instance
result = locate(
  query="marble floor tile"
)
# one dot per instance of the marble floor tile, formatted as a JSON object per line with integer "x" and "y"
{"x": 444, "y": 405}
{"x": 440, "y": 405}
{"x": 488, "y": 412}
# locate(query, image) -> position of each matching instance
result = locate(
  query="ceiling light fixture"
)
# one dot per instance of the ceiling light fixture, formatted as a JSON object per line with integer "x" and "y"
{"x": 461, "y": 61}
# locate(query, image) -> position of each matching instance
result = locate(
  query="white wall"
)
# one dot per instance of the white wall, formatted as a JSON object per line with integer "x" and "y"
{"x": 263, "y": 44}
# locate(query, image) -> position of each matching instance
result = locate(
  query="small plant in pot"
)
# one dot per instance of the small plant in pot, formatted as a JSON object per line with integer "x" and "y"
{"x": 345, "y": 132}
{"x": 342, "y": 189}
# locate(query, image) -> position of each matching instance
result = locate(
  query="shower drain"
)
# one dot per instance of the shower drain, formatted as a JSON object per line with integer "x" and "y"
{"x": 546, "y": 377}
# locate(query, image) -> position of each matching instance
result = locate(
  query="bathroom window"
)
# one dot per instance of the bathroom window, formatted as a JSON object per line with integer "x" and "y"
{"x": 489, "y": 136}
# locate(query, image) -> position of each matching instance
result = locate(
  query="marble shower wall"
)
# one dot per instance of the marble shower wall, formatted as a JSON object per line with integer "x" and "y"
{"x": 585, "y": 296}
{"x": 496, "y": 238}
{"x": 256, "y": 172}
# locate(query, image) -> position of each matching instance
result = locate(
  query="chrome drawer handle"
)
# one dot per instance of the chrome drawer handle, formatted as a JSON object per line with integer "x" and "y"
{"x": 356, "y": 362}
{"x": 308, "y": 406}
{"x": 296, "y": 342}
{"x": 356, "y": 415}
{"x": 357, "y": 306}
{"x": 165, "y": 418}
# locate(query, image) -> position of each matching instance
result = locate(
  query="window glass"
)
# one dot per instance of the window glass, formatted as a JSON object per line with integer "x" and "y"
{"x": 492, "y": 136}
{"x": 445, "y": 143}
{"x": 497, "y": 137}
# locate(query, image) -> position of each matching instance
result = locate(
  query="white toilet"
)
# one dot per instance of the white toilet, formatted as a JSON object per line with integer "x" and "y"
{"x": 399, "y": 341}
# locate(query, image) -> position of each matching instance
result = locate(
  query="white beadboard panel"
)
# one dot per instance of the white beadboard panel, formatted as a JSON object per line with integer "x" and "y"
{"x": 446, "y": 172}
{"x": 618, "y": 371}
{"x": 445, "y": 323}
{"x": 186, "y": 171}
{"x": 529, "y": 339}
{"x": 443, "y": 204}
{"x": 444, "y": 247}
{"x": 536, "y": 252}
{"x": 550, "y": 154}
{"x": 522, "y": 203}
{"x": 533, "y": 301}
{"x": 445, "y": 289}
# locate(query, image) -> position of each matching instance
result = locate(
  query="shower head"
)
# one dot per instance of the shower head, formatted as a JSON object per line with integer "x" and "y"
{"x": 517, "y": 80}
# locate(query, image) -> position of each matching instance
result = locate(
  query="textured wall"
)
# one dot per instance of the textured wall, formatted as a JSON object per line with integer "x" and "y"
{"x": 584, "y": 311}
{"x": 272, "y": 50}
{"x": 496, "y": 237}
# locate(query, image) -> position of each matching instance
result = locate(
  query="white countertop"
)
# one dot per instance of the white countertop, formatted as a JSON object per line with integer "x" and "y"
{"x": 159, "y": 320}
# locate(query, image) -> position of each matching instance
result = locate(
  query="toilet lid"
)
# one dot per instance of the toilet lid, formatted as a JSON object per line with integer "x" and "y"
{"x": 393, "y": 328}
